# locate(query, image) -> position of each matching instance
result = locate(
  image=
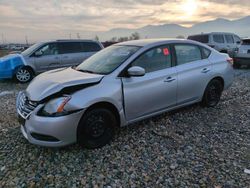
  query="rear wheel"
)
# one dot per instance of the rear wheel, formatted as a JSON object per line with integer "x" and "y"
{"x": 24, "y": 75}
{"x": 96, "y": 128}
{"x": 212, "y": 93}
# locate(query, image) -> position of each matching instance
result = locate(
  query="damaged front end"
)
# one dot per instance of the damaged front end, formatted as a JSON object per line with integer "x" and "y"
{"x": 9, "y": 64}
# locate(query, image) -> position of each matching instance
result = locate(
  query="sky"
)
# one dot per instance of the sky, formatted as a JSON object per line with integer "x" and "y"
{"x": 48, "y": 19}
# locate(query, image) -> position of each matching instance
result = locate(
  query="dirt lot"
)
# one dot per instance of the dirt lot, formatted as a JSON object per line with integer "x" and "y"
{"x": 191, "y": 147}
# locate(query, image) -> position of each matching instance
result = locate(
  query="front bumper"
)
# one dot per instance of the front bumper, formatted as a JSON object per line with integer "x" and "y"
{"x": 50, "y": 131}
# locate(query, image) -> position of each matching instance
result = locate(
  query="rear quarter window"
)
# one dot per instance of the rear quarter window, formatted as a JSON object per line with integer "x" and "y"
{"x": 199, "y": 38}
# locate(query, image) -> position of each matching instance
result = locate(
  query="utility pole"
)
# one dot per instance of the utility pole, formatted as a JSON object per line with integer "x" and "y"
{"x": 2, "y": 38}
{"x": 78, "y": 35}
{"x": 26, "y": 40}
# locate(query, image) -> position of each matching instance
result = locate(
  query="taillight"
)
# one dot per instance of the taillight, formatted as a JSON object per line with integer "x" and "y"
{"x": 230, "y": 60}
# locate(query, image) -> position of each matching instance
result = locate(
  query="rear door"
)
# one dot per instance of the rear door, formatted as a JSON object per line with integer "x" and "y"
{"x": 48, "y": 58}
{"x": 71, "y": 53}
{"x": 193, "y": 70}
{"x": 156, "y": 90}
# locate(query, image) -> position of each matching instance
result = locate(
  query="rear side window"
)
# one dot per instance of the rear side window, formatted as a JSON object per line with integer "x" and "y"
{"x": 229, "y": 39}
{"x": 218, "y": 38}
{"x": 90, "y": 47}
{"x": 199, "y": 38}
{"x": 70, "y": 47}
{"x": 186, "y": 53}
{"x": 158, "y": 58}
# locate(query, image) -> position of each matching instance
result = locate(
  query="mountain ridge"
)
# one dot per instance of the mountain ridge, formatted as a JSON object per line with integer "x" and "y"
{"x": 239, "y": 26}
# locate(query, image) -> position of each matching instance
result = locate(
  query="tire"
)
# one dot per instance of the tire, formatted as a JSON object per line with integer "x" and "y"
{"x": 96, "y": 128}
{"x": 212, "y": 93}
{"x": 24, "y": 75}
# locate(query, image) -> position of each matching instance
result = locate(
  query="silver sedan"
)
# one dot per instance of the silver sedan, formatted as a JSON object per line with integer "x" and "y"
{"x": 120, "y": 85}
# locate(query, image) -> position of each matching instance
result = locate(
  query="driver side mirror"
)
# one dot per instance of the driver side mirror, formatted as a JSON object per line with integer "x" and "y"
{"x": 38, "y": 53}
{"x": 238, "y": 42}
{"x": 136, "y": 71}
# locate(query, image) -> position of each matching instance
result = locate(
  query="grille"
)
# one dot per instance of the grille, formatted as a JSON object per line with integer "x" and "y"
{"x": 25, "y": 106}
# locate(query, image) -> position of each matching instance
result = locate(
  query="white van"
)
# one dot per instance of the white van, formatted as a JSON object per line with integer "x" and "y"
{"x": 221, "y": 41}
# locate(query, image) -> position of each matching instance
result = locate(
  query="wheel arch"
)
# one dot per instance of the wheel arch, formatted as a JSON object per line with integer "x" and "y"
{"x": 109, "y": 106}
{"x": 24, "y": 66}
{"x": 220, "y": 79}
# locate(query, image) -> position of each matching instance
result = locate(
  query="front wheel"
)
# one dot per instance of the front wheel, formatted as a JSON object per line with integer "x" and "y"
{"x": 212, "y": 93}
{"x": 24, "y": 75}
{"x": 96, "y": 128}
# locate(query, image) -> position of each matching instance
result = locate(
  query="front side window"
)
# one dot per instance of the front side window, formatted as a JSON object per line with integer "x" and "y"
{"x": 186, "y": 53}
{"x": 107, "y": 60}
{"x": 49, "y": 49}
{"x": 218, "y": 38}
{"x": 229, "y": 39}
{"x": 155, "y": 59}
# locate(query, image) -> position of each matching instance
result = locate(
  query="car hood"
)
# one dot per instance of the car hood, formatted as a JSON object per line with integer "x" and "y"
{"x": 12, "y": 59}
{"x": 55, "y": 81}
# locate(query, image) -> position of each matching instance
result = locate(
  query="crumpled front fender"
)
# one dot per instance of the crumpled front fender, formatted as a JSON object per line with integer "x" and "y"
{"x": 9, "y": 64}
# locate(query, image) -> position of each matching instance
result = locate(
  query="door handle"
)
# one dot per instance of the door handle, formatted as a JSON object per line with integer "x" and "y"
{"x": 205, "y": 70}
{"x": 169, "y": 79}
{"x": 56, "y": 57}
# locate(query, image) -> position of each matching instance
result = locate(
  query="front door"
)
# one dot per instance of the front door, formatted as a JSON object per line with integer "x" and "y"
{"x": 156, "y": 90}
{"x": 48, "y": 57}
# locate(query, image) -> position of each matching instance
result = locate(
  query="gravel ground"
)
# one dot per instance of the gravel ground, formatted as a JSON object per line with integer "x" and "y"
{"x": 191, "y": 147}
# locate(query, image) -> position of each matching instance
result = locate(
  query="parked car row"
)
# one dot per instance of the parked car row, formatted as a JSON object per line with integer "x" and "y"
{"x": 222, "y": 42}
{"x": 44, "y": 56}
{"x": 229, "y": 43}
{"x": 122, "y": 84}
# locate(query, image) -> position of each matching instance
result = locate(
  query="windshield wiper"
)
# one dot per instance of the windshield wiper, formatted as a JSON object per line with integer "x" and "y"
{"x": 87, "y": 71}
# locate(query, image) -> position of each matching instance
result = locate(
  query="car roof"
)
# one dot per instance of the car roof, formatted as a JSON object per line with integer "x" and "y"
{"x": 213, "y": 33}
{"x": 68, "y": 40}
{"x": 147, "y": 42}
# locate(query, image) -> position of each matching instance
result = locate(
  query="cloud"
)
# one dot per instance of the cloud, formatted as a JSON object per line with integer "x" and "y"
{"x": 88, "y": 17}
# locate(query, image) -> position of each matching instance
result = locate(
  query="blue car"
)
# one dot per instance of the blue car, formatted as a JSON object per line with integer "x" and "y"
{"x": 44, "y": 56}
{"x": 10, "y": 64}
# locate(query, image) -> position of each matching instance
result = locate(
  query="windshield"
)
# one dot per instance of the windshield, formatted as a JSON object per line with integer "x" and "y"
{"x": 107, "y": 60}
{"x": 31, "y": 49}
